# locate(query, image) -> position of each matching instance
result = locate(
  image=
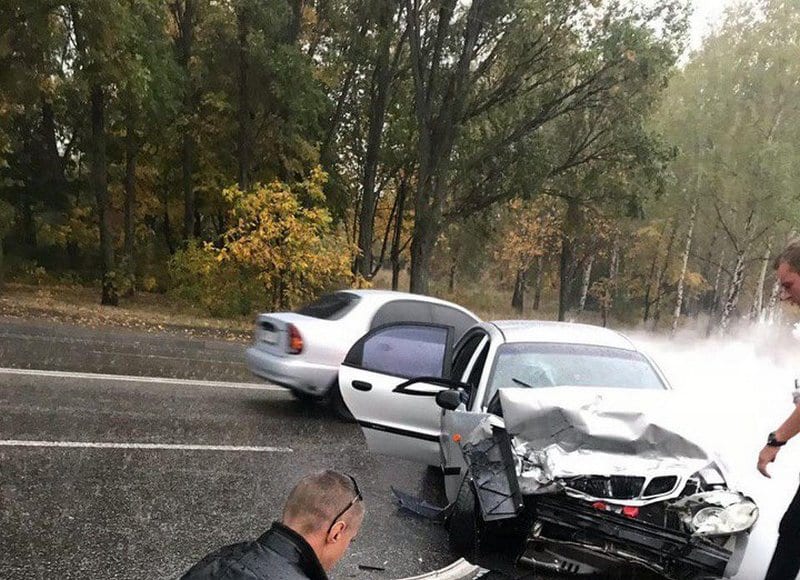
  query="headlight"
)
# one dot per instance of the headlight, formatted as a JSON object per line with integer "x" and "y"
{"x": 738, "y": 517}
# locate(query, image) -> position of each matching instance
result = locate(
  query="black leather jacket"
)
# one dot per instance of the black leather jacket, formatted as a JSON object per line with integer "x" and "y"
{"x": 279, "y": 554}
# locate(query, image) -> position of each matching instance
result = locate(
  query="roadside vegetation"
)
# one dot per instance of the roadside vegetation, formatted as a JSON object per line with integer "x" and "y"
{"x": 565, "y": 160}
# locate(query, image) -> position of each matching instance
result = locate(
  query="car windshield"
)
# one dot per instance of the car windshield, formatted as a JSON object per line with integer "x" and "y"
{"x": 537, "y": 365}
{"x": 330, "y": 306}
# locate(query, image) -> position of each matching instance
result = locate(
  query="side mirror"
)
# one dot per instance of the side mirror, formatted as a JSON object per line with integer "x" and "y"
{"x": 450, "y": 399}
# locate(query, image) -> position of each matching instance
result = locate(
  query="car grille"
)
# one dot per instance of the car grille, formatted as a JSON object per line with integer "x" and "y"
{"x": 621, "y": 487}
{"x": 660, "y": 485}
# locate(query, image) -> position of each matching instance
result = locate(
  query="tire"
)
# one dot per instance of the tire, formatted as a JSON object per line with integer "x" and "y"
{"x": 338, "y": 405}
{"x": 463, "y": 524}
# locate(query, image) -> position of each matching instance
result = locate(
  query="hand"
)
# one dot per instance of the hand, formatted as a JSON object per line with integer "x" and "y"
{"x": 765, "y": 457}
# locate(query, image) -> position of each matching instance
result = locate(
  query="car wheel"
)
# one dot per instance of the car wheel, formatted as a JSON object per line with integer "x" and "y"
{"x": 463, "y": 524}
{"x": 337, "y": 403}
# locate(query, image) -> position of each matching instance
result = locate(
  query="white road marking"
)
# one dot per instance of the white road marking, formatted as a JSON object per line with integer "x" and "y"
{"x": 139, "y": 379}
{"x": 160, "y": 446}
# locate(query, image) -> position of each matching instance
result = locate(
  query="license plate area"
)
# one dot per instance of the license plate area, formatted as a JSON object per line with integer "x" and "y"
{"x": 269, "y": 337}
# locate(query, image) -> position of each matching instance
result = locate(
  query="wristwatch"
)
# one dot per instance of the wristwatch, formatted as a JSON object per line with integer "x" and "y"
{"x": 772, "y": 441}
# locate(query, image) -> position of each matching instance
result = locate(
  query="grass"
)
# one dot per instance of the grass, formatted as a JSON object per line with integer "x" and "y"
{"x": 155, "y": 312}
{"x": 143, "y": 311}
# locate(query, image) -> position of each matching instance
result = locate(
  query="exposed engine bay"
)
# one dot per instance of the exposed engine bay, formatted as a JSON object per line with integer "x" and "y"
{"x": 605, "y": 479}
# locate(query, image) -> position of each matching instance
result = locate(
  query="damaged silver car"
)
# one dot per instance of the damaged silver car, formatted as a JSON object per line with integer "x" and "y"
{"x": 560, "y": 445}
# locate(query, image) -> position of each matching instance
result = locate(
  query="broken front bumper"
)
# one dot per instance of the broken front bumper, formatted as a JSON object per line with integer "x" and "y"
{"x": 571, "y": 536}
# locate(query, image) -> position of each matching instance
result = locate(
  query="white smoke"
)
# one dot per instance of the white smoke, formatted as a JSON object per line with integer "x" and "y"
{"x": 735, "y": 391}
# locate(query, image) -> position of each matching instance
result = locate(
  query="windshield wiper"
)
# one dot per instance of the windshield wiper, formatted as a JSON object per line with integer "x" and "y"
{"x": 523, "y": 383}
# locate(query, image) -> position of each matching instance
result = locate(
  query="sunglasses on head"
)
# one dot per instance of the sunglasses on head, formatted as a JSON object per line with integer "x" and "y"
{"x": 355, "y": 499}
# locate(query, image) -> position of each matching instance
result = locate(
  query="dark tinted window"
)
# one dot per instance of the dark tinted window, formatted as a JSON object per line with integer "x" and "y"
{"x": 450, "y": 316}
{"x": 402, "y": 311}
{"x": 404, "y": 351}
{"x": 477, "y": 370}
{"x": 330, "y": 306}
{"x": 463, "y": 356}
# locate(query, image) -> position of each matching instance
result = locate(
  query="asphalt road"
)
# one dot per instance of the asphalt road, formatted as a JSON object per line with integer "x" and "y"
{"x": 129, "y": 510}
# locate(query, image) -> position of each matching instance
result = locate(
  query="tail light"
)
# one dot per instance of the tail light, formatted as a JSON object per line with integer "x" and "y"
{"x": 295, "y": 340}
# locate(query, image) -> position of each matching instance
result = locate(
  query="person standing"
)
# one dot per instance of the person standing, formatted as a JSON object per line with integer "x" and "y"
{"x": 322, "y": 516}
{"x": 785, "y": 563}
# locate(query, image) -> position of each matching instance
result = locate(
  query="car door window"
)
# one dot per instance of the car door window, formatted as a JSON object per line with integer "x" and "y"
{"x": 406, "y": 351}
{"x": 402, "y": 311}
{"x": 449, "y": 316}
{"x": 476, "y": 372}
{"x": 463, "y": 356}
{"x": 330, "y": 306}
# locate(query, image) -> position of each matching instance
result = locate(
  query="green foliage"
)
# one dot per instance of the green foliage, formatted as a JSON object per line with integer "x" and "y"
{"x": 291, "y": 249}
{"x": 220, "y": 288}
{"x": 278, "y": 254}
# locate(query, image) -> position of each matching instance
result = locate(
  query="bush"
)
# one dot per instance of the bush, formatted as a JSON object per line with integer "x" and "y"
{"x": 222, "y": 289}
{"x": 279, "y": 253}
{"x": 290, "y": 248}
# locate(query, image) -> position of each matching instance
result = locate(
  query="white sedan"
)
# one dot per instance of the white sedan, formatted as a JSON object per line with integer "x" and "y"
{"x": 559, "y": 442}
{"x": 302, "y": 350}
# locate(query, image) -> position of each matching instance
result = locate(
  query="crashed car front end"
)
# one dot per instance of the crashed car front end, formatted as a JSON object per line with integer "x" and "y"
{"x": 604, "y": 479}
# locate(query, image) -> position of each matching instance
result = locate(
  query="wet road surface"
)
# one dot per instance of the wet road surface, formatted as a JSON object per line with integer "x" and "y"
{"x": 134, "y": 511}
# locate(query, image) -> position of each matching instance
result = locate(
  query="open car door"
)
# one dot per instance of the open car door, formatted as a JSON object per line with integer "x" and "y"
{"x": 398, "y": 419}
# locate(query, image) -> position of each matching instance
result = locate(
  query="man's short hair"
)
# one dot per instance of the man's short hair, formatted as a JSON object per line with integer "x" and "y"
{"x": 790, "y": 255}
{"x": 316, "y": 500}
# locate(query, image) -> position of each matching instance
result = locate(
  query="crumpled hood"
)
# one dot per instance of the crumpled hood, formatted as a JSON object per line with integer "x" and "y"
{"x": 572, "y": 431}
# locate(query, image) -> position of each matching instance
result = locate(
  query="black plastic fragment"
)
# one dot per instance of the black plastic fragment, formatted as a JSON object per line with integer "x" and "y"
{"x": 420, "y": 506}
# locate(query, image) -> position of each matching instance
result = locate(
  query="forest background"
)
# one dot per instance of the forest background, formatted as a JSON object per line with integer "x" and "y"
{"x": 560, "y": 159}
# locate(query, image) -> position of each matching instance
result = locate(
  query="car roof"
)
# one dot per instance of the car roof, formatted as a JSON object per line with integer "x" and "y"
{"x": 382, "y": 296}
{"x": 561, "y": 332}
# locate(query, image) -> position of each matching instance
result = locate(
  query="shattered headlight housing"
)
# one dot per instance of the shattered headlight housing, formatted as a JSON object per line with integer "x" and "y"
{"x": 728, "y": 517}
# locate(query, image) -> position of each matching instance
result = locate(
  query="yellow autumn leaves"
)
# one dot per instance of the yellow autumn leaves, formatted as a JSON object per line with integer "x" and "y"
{"x": 281, "y": 250}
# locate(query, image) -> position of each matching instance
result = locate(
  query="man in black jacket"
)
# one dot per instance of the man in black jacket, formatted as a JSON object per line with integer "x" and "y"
{"x": 321, "y": 517}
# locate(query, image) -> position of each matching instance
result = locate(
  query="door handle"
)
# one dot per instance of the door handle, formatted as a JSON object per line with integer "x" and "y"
{"x": 361, "y": 386}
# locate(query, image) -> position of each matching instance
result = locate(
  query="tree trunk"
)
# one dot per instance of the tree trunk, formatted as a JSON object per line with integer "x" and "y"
{"x": 717, "y": 280}
{"x": 687, "y": 248}
{"x": 2, "y": 265}
{"x": 649, "y": 287}
{"x": 187, "y": 154}
{"x": 398, "y": 230}
{"x": 662, "y": 275}
{"x": 99, "y": 182}
{"x": 437, "y": 125}
{"x": 712, "y": 307}
{"x": 613, "y": 274}
{"x": 167, "y": 224}
{"x": 518, "y": 298}
{"x": 131, "y": 152}
{"x": 757, "y": 311}
{"x": 296, "y": 22}
{"x": 243, "y": 150}
{"x": 426, "y": 230}
{"x": 733, "y": 292}
{"x": 537, "y": 284}
{"x": 566, "y": 262}
{"x": 738, "y": 276}
{"x": 587, "y": 279}
{"x": 378, "y": 103}
{"x": 185, "y": 17}
{"x": 772, "y": 305}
